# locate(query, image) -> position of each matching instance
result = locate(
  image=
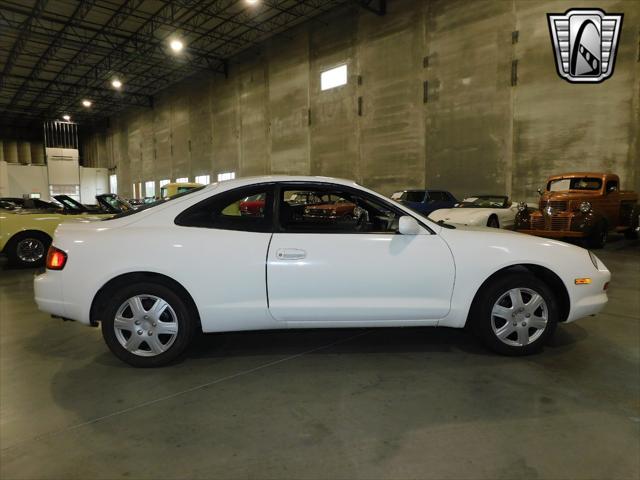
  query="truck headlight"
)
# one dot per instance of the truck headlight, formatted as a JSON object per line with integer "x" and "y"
{"x": 522, "y": 207}
{"x": 585, "y": 207}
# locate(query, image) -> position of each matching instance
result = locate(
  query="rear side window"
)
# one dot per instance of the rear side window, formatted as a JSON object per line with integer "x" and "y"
{"x": 246, "y": 209}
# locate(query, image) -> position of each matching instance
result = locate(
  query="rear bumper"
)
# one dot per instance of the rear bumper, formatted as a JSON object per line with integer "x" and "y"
{"x": 49, "y": 297}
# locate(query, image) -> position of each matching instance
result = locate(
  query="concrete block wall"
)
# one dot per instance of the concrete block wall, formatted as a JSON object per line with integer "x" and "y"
{"x": 470, "y": 131}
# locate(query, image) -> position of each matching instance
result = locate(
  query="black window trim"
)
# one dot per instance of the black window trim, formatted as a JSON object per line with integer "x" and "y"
{"x": 291, "y": 185}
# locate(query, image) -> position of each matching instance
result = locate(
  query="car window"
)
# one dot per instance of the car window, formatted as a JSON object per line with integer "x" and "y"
{"x": 438, "y": 196}
{"x": 247, "y": 209}
{"x": 612, "y": 186}
{"x": 334, "y": 211}
{"x": 413, "y": 196}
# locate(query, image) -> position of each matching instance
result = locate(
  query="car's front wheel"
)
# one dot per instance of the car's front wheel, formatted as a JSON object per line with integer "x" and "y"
{"x": 515, "y": 315}
{"x": 147, "y": 324}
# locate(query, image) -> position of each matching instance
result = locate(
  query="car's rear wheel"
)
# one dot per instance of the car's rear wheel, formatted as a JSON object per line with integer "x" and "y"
{"x": 147, "y": 324}
{"x": 28, "y": 249}
{"x": 515, "y": 315}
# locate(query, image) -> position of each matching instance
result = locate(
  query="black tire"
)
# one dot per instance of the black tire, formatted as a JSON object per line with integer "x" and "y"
{"x": 493, "y": 222}
{"x": 184, "y": 316}
{"x": 482, "y": 321}
{"x": 39, "y": 240}
{"x": 598, "y": 237}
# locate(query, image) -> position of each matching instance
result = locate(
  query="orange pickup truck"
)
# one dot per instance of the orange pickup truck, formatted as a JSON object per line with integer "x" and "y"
{"x": 582, "y": 205}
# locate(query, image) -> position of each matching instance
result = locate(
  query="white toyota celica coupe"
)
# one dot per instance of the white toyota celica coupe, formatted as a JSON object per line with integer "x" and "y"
{"x": 307, "y": 252}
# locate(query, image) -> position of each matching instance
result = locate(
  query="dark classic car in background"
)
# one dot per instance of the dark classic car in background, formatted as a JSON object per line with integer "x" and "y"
{"x": 425, "y": 201}
{"x": 582, "y": 205}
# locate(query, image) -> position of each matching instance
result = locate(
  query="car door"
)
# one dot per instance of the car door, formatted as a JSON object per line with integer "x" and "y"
{"x": 220, "y": 252}
{"x": 325, "y": 268}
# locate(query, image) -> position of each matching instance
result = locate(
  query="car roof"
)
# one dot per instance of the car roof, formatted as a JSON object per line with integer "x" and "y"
{"x": 246, "y": 181}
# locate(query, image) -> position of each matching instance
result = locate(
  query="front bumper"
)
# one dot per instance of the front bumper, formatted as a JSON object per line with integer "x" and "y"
{"x": 553, "y": 233}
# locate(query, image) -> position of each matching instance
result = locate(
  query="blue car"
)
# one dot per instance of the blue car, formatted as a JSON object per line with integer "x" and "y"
{"x": 425, "y": 201}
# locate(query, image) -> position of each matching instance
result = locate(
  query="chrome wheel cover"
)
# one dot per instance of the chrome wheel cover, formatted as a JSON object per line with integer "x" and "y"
{"x": 30, "y": 250}
{"x": 519, "y": 317}
{"x": 146, "y": 325}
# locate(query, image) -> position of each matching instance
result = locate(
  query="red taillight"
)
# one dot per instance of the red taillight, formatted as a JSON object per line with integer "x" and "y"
{"x": 56, "y": 258}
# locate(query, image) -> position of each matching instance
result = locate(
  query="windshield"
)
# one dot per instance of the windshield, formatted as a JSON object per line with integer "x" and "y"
{"x": 565, "y": 184}
{"x": 486, "y": 201}
{"x": 154, "y": 204}
{"x": 408, "y": 196}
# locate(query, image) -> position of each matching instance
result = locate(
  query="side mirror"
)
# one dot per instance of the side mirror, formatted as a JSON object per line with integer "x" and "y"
{"x": 540, "y": 191}
{"x": 409, "y": 226}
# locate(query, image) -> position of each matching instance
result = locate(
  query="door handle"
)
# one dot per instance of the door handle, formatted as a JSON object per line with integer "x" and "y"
{"x": 290, "y": 254}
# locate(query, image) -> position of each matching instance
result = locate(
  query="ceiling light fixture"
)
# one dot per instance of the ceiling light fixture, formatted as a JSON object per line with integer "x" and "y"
{"x": 116, "y": 83}
{"x": 252, "y": 2}
{"x": 86, "y": 103}
{"x": 66, "y": 118}
{"x": 176, "y": 45}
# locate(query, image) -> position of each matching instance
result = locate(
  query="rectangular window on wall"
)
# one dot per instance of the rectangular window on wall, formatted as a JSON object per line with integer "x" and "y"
{"x": 113, "y": 183}
{"x": 182, "y": 180}
{"x": 133, "y": 191}
{"x": 203, "y": 179}
{"x": 150, "y": 188}
{"x": 333, "y": 78}
{"x": 164, "y": 182}
{"x": 226, "y": 176}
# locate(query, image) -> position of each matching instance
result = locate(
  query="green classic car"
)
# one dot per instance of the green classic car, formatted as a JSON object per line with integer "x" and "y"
{"x": 25, "y": 234}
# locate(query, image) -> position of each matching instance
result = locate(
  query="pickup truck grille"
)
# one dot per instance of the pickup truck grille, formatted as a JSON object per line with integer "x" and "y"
{"x": 558, "y": 206}
{"x": 557, "y": 223}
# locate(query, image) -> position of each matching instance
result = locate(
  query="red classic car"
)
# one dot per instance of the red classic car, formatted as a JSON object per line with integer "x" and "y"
{"x": 335, "y": 208}
{"x": 252, "y": 206}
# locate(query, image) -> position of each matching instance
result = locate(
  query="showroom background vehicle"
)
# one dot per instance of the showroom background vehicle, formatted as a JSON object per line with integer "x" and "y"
{"x": 582, "y": 205}
{"x": 204, "y": 265}
{"x": 425, "y": 201}
{"x": 495, "y": 211}
{"x": 25, "y": 235}
{"x": 13, "y": 203}
{"x": 172, "y": 189}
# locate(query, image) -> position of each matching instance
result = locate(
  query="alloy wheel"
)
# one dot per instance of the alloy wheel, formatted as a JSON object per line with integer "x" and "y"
{"x": 519, "y": 317}
{"x": 146, "y": 325}
{"x": 30, "y": 250}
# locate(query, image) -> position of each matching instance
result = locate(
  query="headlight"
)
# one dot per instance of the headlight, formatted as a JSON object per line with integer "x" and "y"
{"x": 522, "y": 206}
{"x": 585, "y": 207}
{"x": 593, "y": 258}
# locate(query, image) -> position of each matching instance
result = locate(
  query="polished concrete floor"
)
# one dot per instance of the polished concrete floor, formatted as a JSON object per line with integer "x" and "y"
{"x": 404, "y": 403}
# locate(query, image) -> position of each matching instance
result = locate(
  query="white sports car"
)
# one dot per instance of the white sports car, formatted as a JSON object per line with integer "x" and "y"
{"x": 484, "y": 210}
{"x": 204, "y": 260}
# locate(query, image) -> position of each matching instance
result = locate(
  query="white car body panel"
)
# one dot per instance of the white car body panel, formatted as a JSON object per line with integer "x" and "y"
{"x": 238, "y": 283}
{"x": 416, "y": 284}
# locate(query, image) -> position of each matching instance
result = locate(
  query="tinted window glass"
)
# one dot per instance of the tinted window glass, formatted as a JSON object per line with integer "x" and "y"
{"x": 612, "y": 186}
{"x": 321, "y": 210}
{"x": 413, "y": 196}
{"x": 240, "y": 209}
{"x": 438, "y": 196}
